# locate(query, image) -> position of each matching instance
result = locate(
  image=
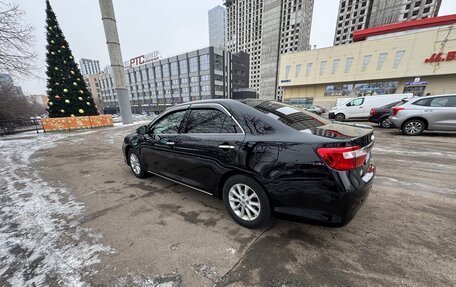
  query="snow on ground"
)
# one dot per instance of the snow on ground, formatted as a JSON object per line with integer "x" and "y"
{"x": 40, "y": 238}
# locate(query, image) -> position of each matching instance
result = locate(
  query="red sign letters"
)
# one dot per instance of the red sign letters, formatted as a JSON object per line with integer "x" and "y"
{"x": 441, "y": 57}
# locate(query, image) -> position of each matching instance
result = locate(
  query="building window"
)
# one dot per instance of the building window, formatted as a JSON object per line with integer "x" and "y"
{"x": 174, "y": 69}
{"x": 193, "y": 63}
{"x": 381, "y": 60}
{"x": 158, "y": 74}
{"x": 366, "y": 61}
{"x": 348, "y": 64}
{"x": 165, "y": 70}
{"x": 204, "y": 62}
{"x": 323, "y": 67}
{"x": 205, "y": 88}
{"x": 398, "y": 59}
{"x": 185, "y": 90}
{"x": 287, "y": 71}
{"x": 335, "y": 65}
{"x": 205, "y": 78}
{"x": 194, "y": 89}
{"x": 184, "y": 80}
{"x": 298, "y": 70}
{"x": 308, "y": 69}
{"x": 183, "y": 66}
{"x": 193, "y": 79}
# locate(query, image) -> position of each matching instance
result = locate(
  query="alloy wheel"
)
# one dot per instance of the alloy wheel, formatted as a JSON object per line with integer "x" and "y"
{"x": 385, "y": 123}
{"x": 244, "y": 202}
{"x": 134, "y": 163}
{"x": 414, "y": 127}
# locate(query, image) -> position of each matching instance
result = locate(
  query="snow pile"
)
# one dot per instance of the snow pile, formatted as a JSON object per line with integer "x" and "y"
{"x": 40, "y": 238}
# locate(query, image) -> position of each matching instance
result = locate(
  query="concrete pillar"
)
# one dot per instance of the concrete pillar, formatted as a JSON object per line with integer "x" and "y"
{"x": 115, "y": 55}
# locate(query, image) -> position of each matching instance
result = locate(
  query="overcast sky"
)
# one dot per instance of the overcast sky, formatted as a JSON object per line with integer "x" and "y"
{"x": 169, "y": 26}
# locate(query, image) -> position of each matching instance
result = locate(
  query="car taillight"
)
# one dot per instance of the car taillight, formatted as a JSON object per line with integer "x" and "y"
{"x": 397, "y": 109}
{"x": 373, "y": 112}
{"x": 343, "y": 158}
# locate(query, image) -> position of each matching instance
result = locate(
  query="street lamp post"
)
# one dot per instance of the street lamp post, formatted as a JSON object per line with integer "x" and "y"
{"x": 115, "y": 55}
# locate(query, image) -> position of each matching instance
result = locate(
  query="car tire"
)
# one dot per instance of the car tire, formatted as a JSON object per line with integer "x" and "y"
{"x": 413, "y": 127}
{"x": 385, "y": 123}
{"x": 339, "y": 117}
{"x": 247, "y": 202}
{"x": 136, "y": 164}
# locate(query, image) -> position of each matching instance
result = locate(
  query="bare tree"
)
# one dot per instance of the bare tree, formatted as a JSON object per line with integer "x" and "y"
{"x": 14, "y": 106}
{"x": 16, "y": 38}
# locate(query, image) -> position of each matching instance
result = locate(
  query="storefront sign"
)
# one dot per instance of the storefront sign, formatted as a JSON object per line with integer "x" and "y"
{"x": 143, "y": 59}
{"x": 441, "y": 57}
{"x": 420, "y": 83}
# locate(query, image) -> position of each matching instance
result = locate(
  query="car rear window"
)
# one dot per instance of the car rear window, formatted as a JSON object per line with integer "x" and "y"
{"x": 296, "y": 118}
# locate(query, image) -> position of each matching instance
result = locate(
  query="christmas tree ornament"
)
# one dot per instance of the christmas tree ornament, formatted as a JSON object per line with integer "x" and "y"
{"x": 57, "y": 97}
{"x": 62, "y": 111}
{"x": 52, "y": 41}
{"x": 71, "y": 57}
{"x": 81, "y": 111}
{"x": 50, "y": 103}
{"x": 56, "y": 68}
{"x": 67, "y": 101}
{"x": 52, "y": 53}
{"x": 56, "y": 84}
{"x": 81, "y": 91}
{"x": 80, "y": 98}
{"x": 72, "y": 115}
{"x": 72, "y": 72}
{"x": 88, "y": 103}
{"x": 63, "y": 46}
{"x": 75, "y": 84}
{"x": 65, "y": 90}
{"x": 59, "y": 51}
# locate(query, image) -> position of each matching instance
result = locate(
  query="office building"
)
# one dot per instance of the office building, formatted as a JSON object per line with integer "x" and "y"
{"x": 6, "y": 80}
{"x": 265, "y": 29}
{"x": 217, "y": 26}
{"x": 202, "y": 74}
{"x": 89, "y": 67}
{"x": 93, "y": 85}
{"x": 355, "y": 15}
{"x": 382, "y": 60}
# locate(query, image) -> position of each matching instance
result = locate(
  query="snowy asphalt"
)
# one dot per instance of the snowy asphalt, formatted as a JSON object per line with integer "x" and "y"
{"x": 72, "y": 214}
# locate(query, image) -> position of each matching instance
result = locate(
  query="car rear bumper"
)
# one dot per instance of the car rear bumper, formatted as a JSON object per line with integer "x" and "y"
{"x": 374, "y": 120}
{"x": 396, "y": 122}
{"x": 328, "y": 204}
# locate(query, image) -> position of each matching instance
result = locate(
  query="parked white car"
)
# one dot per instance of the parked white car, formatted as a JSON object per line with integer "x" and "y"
{"x": 359, "y": 108}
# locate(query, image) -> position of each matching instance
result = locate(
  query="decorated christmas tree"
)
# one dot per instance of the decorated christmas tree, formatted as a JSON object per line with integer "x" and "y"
{"x": 67, "y": 91}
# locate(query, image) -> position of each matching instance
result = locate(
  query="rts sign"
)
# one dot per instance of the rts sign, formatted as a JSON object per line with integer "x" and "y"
{"x": 441, "y": 57}
{"x": 151, "y": 57}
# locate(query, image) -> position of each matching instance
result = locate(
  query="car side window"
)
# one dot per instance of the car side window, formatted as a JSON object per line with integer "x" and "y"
{"x": 439, "y": 102}
{"x": 230, "y": 126}
{"x": 356, "y": 102}
{"x": 169, "y": 124}
{"x": 209, "y": 121}
{"x": 424, "y": 102}
{"x": 451, "y": 102}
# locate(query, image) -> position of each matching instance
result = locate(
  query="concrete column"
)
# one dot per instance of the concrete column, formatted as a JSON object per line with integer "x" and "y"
{"x": 115, "y": 55}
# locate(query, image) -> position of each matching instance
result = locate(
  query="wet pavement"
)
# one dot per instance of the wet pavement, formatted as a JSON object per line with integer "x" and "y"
{"x": 73, "y": 214}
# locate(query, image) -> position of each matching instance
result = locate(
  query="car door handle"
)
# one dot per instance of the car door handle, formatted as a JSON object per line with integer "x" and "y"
{"x": 223, "y": 146}
{"x": 170, "y": 143}
{"x": 427, "y": 110}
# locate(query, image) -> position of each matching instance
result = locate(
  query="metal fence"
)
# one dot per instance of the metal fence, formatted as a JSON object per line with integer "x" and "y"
{"x": 9, "y": 127}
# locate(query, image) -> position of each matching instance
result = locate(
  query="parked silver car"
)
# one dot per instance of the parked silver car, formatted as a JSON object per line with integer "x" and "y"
{"x": 434, "y": 113}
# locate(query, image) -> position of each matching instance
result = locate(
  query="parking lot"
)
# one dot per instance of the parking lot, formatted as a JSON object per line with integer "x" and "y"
{"x": 133, "y": 232}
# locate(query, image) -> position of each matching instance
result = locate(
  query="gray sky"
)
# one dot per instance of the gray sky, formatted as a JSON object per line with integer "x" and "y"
{"x": 169, "y": 26}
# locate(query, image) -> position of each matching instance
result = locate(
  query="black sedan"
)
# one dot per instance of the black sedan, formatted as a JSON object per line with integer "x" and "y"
{"x": 262, "y": 158}
{"x": 380, "y": 115}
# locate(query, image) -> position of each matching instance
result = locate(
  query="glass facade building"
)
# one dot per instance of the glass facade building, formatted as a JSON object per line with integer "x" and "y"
{"x": 208, "y": 73}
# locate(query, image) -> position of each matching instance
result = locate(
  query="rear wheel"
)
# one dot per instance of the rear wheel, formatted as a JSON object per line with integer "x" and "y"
{"x": 246, "y": 202}
{"x": 135, "y": 164}
{"x": 413, "y": 127}
{"x": 340, "y": 117}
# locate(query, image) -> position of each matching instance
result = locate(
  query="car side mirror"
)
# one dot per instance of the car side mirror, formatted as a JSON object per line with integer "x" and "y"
{"x": 142, "y": 130}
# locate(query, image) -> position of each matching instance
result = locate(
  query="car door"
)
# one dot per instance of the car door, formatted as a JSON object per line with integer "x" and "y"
{"x": 355, "y": 108}
{"x": 441, "y": 113}
{"x": 158, "y": 150}
{"x": 208, "y": 146}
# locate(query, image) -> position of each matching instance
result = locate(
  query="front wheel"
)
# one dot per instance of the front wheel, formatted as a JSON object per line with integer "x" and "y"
{"x": 246, "y": 202}
{"x": 136, "y": 165}
{"x": 413, "y": 127}
{"x": 385, "y": 123}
